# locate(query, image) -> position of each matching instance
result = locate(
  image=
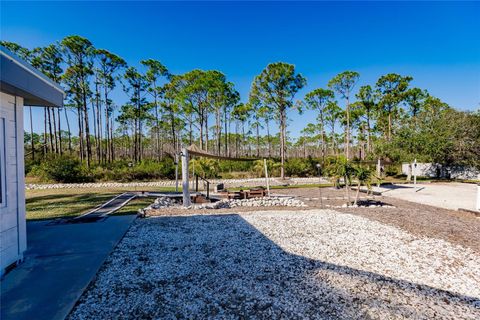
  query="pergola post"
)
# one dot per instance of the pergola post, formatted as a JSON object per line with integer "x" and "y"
{"x": 266, "y": 176}
{"x": 415, "y": 172}
{"x": 185, "y": 183}
{"x": 176, "y": 172}
{"x": 379, "y": 172}
{"x": 478, "y": 197}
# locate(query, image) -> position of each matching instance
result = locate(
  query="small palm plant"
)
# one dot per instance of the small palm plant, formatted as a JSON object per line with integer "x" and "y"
{"x": 364, "y": 177}
{"x": 331, "y": 164}
{"x": 342, "y": 168}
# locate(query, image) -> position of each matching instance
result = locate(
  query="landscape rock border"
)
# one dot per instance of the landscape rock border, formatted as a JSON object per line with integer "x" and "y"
{"x": 167, "y": 202}
{"x": 171, "y": 183}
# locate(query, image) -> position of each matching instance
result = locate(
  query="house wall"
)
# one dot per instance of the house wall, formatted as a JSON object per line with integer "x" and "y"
{"x": 13, "y": 238}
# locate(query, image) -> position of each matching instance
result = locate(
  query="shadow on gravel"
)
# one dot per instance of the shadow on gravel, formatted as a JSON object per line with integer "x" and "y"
{"x": 220, "y": 266}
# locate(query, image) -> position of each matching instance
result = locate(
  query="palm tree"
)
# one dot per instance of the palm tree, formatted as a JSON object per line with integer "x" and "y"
{"x": 339, "y": 168}
{"x": 364, "y": 176}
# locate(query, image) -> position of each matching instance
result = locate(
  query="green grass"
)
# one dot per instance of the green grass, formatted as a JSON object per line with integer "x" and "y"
{"x": 469, "y": 181}
{"x": 61, "y": 203}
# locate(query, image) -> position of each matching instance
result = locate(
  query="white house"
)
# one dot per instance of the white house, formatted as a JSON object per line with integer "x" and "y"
{"x": 20, "y": 84}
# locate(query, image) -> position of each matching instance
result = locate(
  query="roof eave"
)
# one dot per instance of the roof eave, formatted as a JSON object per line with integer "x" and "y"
{"x": 19, "y": 78}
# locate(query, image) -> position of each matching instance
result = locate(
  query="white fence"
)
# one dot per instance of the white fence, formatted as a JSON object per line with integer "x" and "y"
{"x": 435, "y": 170}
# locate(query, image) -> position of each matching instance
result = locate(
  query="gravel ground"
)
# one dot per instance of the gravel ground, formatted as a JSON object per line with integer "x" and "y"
{"x": 282, "y": 264}
{"x": 457, "y": 227}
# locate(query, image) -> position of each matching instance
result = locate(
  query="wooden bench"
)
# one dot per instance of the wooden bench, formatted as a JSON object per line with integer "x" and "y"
{"x": 257, "y": 193}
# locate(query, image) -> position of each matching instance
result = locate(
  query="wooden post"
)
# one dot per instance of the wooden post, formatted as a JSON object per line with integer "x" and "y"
{"x": 185, "y": 183}
{"x": 415, "y": 172}
{"x": 478, "y": 197}
{"x": 379, "y": 172}
{"x": 193, "y": 175}
{"x": 176, "y": 172}
{"x": 266, "y": 176}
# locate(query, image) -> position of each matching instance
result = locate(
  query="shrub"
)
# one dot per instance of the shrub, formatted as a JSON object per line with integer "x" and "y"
{"x": 205, "y": 167}
{"x": 31, "y": 165}
{"x": 273, "y": 166}
{"x": 144, "y": 170}
{"x": 234, "y": 166}
{"x": 392, "y": 170}
{"x": 64, "y": 169}
{"x": 238, "y": 175}
{"x": 301, "y": 167}
{"x": 37, "y": 171}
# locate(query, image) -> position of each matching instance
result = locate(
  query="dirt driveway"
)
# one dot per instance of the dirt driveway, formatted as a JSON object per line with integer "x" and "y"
{"x": 443, "y": 195}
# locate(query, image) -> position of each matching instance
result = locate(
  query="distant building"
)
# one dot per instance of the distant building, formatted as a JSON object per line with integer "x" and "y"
{"x": 20, "y": 84}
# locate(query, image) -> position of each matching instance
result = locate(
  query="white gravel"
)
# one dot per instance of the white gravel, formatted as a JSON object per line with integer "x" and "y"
{"x": 252, "y": 182}
{"x": 166, "y": 202}
{"x": 289, "y": 264}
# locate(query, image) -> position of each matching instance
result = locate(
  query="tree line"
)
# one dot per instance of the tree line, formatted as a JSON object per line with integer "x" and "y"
{"x": 389, "y": 119}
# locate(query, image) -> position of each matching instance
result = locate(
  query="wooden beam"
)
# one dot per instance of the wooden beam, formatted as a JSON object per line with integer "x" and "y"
{"x": 185, "y": 184}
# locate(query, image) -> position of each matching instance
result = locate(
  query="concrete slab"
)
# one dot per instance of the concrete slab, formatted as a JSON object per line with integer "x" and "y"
{"x": 60, "y": 262}
{"x": 444, "y": 195}
{"x": 110, "y": 206}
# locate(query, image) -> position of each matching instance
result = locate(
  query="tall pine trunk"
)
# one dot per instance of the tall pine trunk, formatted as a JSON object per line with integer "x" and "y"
{"x": 201, "y": 129}
{"x": 157, "y": 129}
{"x": 107, "y": 125}
{"x": 32, "y": 143}
{"x": 282, "y": 143}
{"x": 69, "y": 132}
{"x": 95, "y": 134}
{"x": 172, "y": 121}
{"x": 226, "y": 131}
{"x": 347, "y": 133}
{"x": 206, "y": 131}
{"x": 87, "y": 130}
{"x": 369, "y": 138}
{"x": 269, "y": 141}
{"x": 81, "y": 134}
{"x": 45, "y": 139}
{"x": 55, "y": 130}
{"x": 50, "y": 138}
{"x": 60, "y": 147}
{"x": 218, "y": 128}
{"x": 99, "y": 121}
{"x": 258, "y": 139}
{"x": 112, "y": 141}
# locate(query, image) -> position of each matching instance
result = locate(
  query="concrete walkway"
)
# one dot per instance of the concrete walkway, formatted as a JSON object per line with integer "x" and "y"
{"x": 60, "y": 262}
{"x": 111, "y": 206}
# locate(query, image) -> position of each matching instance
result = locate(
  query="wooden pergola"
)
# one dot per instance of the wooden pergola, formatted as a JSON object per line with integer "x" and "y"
{"x": 194, "y": 150}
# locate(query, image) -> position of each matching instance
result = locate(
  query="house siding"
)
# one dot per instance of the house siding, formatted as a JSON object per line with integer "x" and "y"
{"x": 12, "y": 212}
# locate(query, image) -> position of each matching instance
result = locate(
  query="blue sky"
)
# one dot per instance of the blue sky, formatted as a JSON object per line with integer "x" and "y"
{"x": 435, "y": 42}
